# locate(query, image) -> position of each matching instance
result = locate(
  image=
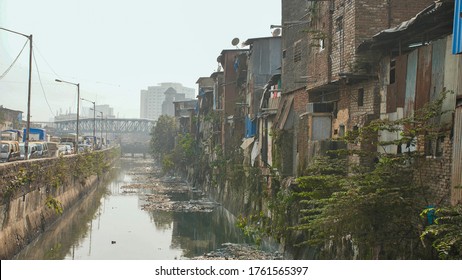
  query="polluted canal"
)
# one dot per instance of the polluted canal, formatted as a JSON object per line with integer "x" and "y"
{"x": 140, "y": 215}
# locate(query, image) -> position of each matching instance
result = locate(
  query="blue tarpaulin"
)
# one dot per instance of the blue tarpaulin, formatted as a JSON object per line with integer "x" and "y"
{"x": 250, "y": 127}
{"x": 457, "y": 33}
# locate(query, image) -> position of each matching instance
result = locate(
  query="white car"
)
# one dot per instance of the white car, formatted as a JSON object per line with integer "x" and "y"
{"x": 64, "y": 149}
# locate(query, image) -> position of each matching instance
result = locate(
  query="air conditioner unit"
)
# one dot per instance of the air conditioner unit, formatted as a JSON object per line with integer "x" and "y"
{"x": 321, "y": 107}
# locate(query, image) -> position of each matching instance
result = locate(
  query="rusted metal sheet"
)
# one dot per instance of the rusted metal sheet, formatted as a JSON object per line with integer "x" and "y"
{"x": 411, "y": 76}
{"x": 423, "y": 79}
{"x": 396, "y": 90}
{"x": 456, "y": 180}
{"x": 438, "y": 61}
{"x": 391, "y": 98}
{"x": 285, "y": 106}
{"x": 401, "y": 69}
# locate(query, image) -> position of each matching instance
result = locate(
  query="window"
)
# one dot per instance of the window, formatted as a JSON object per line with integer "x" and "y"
{"x": 297, "y": 51}
{"x": 339, "y": 24}
{"x": 392, "y": 71}
{"x": 360, "y": 97}
{"x": 341, "y": 132}
{"x": 434, "y": 146}
{"x": 439, "y": 146}
{"x": 322, "y": 45}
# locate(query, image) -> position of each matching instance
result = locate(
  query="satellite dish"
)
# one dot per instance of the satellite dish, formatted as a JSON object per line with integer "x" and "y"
{"x": 276, "y": 32}
{"x": 219, "y": 58}
{"x": 235, "y": 41}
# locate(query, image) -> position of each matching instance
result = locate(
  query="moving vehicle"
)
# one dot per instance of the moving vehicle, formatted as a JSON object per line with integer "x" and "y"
{"x": 9, "y": 151}
{"x": 64, "y": 149}
{"x": 42, "y": 149}
{"x": 85, "y": 148}
{"x": 32, "y": 153}
{"x": 11, "y": 135}
{"x": 52, "y": 149}
{"x": 36, "y": 134}
{"x": 71, "y": 146}
{"x": 70, "y": 139}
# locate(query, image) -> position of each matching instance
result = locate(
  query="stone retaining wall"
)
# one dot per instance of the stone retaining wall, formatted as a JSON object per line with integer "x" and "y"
{"x": 25, "y": 188}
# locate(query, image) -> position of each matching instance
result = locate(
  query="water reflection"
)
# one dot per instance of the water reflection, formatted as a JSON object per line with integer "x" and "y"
{"x": 75, "y": 225}
{"x": 109, "y": 224}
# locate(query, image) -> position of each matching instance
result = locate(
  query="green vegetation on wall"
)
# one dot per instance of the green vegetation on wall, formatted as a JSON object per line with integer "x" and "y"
{"x": 343, "y": 210}
{"x": 57, "y": 174}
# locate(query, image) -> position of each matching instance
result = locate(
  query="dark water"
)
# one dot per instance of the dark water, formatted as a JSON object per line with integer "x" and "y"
{"x": 109, "y": 224}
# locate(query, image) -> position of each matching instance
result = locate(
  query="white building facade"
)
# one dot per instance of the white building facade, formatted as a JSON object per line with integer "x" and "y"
{"x": 151, "y": 99}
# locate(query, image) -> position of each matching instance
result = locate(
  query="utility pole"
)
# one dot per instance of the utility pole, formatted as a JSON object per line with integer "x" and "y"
{"x": 26, "y": 142}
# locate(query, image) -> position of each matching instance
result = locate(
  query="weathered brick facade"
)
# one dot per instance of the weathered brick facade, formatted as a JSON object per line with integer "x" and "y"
{"x": 294, "y": 44}
{"x": 336, "y": 72}
{"x": 344, "y": 24}
{"x": 434, "y": 175}
{"x": 364, "y": 102}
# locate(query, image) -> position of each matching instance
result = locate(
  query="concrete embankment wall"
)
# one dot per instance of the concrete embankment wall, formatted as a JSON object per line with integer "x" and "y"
{"x": 33, "y": 191}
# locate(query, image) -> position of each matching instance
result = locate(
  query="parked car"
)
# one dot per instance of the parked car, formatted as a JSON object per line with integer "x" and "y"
{"x": 64, "y": 149}
{"x": 85, "y": 148}
{"x": 42, "y": 149}
{"x": 9, "y": 151}
{"x": 32, "y": 153}
{"x": 52, "y": 149}
{"x": 70, "y": 144}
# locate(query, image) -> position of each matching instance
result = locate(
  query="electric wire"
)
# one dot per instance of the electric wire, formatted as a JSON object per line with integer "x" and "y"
{"x": 41, "y": 84}
{"x": 14, "y": 61}
{"x": 49, "y": 66}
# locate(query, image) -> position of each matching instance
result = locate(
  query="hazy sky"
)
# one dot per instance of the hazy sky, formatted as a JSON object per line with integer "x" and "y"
{"x": 115, "y": 48}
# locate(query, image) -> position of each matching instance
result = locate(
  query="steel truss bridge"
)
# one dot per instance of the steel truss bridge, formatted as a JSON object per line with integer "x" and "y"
{"x": 117, "y": 126}
{"x": 133, "y": 135}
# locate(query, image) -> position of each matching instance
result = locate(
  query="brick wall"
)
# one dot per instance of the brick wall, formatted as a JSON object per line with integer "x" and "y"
{"x": 302, "y": 129}
{"x": 294, "y": 39}
{"x": 363, "y": 110}
{"x": 318, "y": 66}
{"x": 343, "y": 36}
{"x": 349, "y": 23}
{"x": 434, "y": 175}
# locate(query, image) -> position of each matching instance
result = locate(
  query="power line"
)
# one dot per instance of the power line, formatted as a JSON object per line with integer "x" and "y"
{"x": 14, "y": 61}
{"x": 41, "y": 85}
{"x": 49, "y": 66}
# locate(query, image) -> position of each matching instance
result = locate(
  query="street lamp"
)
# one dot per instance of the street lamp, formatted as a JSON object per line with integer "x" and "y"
{"x": 101, "y": 125}
{"x": 26, "y": 144}
{"x": 78, "y": 105}
{"x": 94, "y": 120}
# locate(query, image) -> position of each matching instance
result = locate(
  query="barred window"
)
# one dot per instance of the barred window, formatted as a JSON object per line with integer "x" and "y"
{"x": 360, "y": 97}
{"x": 297, "y": 51}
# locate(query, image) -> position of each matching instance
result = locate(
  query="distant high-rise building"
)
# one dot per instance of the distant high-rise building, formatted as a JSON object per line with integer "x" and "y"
{"x": 151, "y": 100}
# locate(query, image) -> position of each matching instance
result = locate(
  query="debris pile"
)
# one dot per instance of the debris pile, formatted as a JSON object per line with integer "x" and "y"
{"x": 166, "y": 193}
{"x": 231, "y": 251}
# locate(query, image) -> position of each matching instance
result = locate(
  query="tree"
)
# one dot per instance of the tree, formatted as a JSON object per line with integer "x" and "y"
{"x": 445, "y": 234}
{"x": 367, "y": 215}
{"x": 163, "y": 137}
{"x": 183, "y": 155}
{"x": 372, "y": 212}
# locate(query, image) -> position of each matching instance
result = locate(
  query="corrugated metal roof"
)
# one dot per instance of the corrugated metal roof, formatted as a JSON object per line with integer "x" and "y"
{"x": 430, "y": 23}
{"x": 252, "y": 40}
{"x": 457, "y": 33}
